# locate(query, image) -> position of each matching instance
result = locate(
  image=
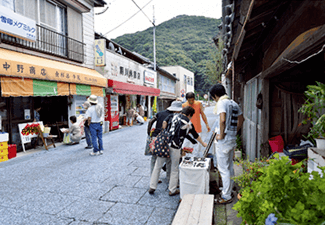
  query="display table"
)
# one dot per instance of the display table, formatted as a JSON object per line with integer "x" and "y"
{"x": 194, "y": 176}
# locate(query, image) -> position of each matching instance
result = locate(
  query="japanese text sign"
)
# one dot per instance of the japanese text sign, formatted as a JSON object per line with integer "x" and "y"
{"x": 149, "y": 78}
{"x": 100, "y": 52}
{"x": 17, "y": 25}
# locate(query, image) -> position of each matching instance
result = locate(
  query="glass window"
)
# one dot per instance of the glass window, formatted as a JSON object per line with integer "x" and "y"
{"x": 126, "y": 72}
{"x": 130, "y": 73}
{"x": 139, "y": 76}
{"x": 135, "y": 74}
{"x": 121, "y": 70}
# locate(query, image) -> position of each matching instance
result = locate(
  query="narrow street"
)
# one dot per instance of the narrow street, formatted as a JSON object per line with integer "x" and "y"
{"x": 67, "y": 186}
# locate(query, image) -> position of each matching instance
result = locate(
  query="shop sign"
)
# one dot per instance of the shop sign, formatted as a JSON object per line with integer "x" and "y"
{"x": 149, "y": 78}
{"x": 100, "y": 52}
{"x": 20, "y": 69}
{"x": 17, "y": 25}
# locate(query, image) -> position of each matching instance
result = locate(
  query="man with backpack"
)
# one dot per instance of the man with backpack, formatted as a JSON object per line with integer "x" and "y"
{"x": 178, "y": 127}
{"x": 229, "y": 121}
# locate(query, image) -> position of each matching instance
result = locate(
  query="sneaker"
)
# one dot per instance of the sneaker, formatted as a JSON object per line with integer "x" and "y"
{"x": 222, "y": 201}
{"x": 101, "y": 152}
{"x": 151, "y": 191}
{"x": 93, "y": 153}
{"x": 175, "y": 193}
{"x": 88, "y": 147}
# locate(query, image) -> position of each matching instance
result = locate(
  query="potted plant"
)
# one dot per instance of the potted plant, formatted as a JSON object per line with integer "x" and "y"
{"x": 314, "y": 109}
{"x": 286, "y": 193}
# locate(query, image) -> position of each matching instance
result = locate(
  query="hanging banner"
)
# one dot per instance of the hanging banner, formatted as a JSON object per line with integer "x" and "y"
{"x": 100, "y": 52}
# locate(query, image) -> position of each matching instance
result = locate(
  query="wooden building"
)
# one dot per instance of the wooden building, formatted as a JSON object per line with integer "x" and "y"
{"x": 275, "y": 49}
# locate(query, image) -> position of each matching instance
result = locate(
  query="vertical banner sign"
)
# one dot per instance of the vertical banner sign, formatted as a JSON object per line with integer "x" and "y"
{"x": 17, "y": 25}
{"x": 100, "y": 52}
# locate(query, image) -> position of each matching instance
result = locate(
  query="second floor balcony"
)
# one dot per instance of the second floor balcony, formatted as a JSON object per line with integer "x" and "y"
{"x": 50, "y": 42}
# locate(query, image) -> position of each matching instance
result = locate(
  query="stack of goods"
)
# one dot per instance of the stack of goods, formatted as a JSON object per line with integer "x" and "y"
{"x": 3, "y": 151}
{"x": 4, "y": 137}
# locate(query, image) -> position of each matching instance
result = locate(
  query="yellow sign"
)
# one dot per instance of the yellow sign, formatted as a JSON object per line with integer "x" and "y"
{"x": 100, "y": 52}
{"x": 23, "y": 65}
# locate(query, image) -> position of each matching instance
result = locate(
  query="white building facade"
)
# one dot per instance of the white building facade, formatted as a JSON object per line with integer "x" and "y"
{"x": 186, "y": 79}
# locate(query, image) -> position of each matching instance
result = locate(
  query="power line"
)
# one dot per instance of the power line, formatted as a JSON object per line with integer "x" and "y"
{"x": 127, "y": 19}
{"x": 143, "y": 12}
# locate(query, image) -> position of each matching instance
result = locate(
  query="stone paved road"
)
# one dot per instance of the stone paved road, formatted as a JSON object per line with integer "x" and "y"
{"x": 67, "y": 186}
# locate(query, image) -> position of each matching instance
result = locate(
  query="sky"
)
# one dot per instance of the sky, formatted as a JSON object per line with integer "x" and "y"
{"x": 120, "y": 11}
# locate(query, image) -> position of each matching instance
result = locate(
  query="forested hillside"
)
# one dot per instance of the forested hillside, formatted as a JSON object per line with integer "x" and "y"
{"x": 183, "y": 40}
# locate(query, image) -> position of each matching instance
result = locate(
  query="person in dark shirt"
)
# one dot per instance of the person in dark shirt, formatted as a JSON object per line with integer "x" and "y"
{"x": 159, "y": 118}
{"x": 179, "y": 126}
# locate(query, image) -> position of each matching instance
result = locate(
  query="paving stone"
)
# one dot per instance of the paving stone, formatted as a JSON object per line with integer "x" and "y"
{"x": 13, "y": 197}
{"x": 124, "y": 194}
{"x": 127, "y": 214}
{"x": 160, "y": 199}
{"x": 86, "y": 210}
{"x": 51, "y": 203}
{"x": 161, "y": 216}
{"x": 14, "y": 217}
{"x": 42, "y": 218}
{"x": 129, "y": 181}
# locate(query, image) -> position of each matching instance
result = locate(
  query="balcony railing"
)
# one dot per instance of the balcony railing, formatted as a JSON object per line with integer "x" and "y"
{"x": 50, "y": 42}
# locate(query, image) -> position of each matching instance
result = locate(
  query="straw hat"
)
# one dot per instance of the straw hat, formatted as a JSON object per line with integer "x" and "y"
{"x": 93, "y": 99}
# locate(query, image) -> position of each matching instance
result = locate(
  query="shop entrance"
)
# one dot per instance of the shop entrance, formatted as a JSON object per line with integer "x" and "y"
{"x": 16, "y": 110}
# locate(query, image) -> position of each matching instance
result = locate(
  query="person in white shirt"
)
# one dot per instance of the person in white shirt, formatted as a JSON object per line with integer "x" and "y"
{"x": 94, "y": 114}
{"x": 229, "y": 121}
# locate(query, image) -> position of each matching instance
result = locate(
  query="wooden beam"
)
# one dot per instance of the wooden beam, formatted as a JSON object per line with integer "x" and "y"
{"x": 242, "y": 32}
{"x": 311, "y": 45}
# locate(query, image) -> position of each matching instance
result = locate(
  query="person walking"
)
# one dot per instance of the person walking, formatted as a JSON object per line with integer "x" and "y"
{"x": 159, "y": 118}
{"x": 86, "y": 106}
{"x": 74, "y": 130}
{"x": 196, "y": 120}
{"x": 94, "y": 115}
{"x": 229, "y": 120}
{"x": 178, "y": 127}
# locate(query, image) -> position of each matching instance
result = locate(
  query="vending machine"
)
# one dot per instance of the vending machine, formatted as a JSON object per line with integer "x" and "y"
{"x": 112, "y": 114}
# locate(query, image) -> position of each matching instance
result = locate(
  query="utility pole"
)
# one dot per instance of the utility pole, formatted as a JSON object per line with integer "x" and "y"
{"x": 154, "y": 39}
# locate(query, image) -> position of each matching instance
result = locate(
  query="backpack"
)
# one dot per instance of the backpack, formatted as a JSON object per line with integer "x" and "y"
{"x": 160, "y": 144}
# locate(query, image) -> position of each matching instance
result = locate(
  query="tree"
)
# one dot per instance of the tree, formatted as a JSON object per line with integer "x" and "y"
{"x": 214, "y": 66}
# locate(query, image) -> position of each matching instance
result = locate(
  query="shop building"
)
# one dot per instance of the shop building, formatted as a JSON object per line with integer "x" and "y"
{"x": 131, "y": 81}
{"x": 186, "y": 80}
{"x": 167, "y": 86}
{"x": 273, "y": 50}
{"x": 46, "y": 60}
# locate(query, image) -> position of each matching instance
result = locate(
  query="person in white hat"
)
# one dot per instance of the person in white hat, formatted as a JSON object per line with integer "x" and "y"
{"x": 94, "y": 114}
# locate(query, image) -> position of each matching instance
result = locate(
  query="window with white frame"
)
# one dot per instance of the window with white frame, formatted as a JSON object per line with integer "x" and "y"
{"x": 166, "y": 84}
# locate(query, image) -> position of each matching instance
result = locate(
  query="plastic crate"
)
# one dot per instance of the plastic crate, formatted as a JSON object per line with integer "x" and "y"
{"x": 3, "y": 158}
{"x": 3, "y": 145}
{"x": 12, "y": 151}
{"x": 4, "y": 136}
{"x": 3, "y": 152}
{"x": 299, "y": 152}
